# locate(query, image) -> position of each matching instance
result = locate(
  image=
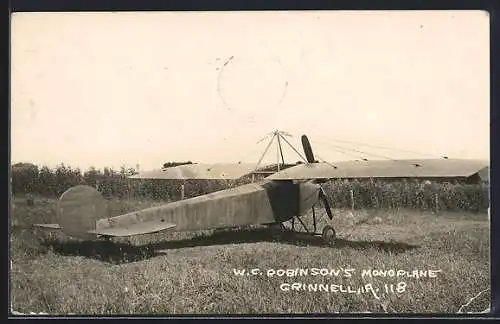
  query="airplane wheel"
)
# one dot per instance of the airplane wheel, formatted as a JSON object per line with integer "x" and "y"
{"x": 329, "y": 234}
{"x": 275, "y": 230}
{"x": 275, "y": 227}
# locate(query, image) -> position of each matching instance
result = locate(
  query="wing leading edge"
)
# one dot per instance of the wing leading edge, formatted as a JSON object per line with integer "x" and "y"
{"x": 423, "y": 168}
{"x": 199, "y": 171}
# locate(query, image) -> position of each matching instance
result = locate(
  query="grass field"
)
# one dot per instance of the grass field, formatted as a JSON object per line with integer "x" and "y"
{"x": 193, "y": 273}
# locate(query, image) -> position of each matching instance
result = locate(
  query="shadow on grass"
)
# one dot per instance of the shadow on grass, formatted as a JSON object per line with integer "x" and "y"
{"x": 107, "y": 251}
{"x": 114, "y": 252}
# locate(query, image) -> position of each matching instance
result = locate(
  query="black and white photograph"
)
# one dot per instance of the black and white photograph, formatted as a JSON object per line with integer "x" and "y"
{"x": 250, "y": 162}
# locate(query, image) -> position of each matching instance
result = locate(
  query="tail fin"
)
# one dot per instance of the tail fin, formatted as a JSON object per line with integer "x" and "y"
{"x": 78, "y": 209}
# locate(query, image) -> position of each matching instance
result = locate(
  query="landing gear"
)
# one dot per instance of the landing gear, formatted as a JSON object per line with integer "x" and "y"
{"x": 329, "y": 235}
{"x": 275, "y": 227}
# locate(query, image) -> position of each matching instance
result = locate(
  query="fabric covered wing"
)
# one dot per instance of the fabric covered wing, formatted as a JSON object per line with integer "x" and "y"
{"x": 240, "y": 206}
{"x": 429, "y": 168}
{"x": 199, "y": 171}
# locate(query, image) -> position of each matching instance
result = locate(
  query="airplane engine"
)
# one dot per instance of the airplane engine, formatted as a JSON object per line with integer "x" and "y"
{"x": 309, "y": 196}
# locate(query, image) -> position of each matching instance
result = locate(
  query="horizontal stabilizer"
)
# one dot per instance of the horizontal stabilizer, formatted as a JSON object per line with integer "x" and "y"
{"x": 134, "y": 229}
{"x": 49, "y": 226}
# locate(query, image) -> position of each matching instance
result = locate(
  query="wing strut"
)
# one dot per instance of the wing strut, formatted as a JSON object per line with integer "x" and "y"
{"x": 293, "y": 148}
{"x": 263, "y": 154}
{"x": 278, "y": 135}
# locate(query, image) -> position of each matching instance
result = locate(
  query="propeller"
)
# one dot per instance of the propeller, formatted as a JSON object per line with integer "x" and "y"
{"x": 326, "y": 204}
{"x": 307, "y": 149}
{"x": 310, "y": 159}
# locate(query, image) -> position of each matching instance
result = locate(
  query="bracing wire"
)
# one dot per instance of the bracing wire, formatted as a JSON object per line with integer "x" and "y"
{"x": 272, "y": 137}
{"x": 342, "y": 149}
{"x": 346, "y": 153}
{"x": 293, "y": 148}
{"x": 256, "y": 149}
{"x": 354, "y": 150}
{"x": 384, "y": 147}
{"x": 325, "y": 161}
{"x": 265, "y": 152}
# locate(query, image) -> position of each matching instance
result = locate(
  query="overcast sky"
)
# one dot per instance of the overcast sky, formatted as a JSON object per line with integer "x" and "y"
{"x": 108, "y": 89}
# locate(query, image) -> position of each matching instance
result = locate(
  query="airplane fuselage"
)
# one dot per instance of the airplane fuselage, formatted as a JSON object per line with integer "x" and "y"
{"x": 265, "y": 202}
{"x": 81, "y": 210}
{"x": 291, "y": 198}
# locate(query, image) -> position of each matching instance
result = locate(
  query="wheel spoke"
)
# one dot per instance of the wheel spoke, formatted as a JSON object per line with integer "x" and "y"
{"x": 329, "y": 234}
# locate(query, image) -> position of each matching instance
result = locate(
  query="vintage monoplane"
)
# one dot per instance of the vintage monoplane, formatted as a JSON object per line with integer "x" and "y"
{"x": 283, "y": 196}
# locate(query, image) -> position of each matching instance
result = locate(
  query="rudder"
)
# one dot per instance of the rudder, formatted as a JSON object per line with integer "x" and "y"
{"x": 78, "y": 209}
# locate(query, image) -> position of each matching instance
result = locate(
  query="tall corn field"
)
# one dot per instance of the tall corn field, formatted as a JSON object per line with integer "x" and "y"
{"x": 46, "y": 182}
{"x": 434, "y": 196}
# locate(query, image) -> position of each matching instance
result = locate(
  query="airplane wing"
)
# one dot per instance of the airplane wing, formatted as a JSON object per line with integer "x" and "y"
{"x": 423, "y": 168}
{"x": 200, "y": 171}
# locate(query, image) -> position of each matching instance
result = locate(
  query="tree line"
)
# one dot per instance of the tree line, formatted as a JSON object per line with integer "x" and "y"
{"x": 43, "y": 181}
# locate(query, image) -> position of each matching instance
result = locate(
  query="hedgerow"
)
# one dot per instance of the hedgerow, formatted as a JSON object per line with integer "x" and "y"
{"x": 46, "y": 182}
{"x": 408, "y": 194}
